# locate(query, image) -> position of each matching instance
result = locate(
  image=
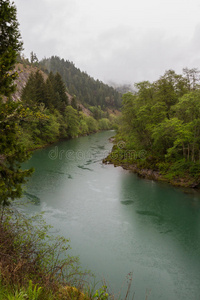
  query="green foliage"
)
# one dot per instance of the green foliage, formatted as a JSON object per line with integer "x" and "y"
{"x": 101, "y": 294}
{"x": 87, "y": 90}
{"x": 163, "y": 119}
{"x": 17, "y": 295}
{"x": 83, "y": 127}
{"x": 72, "y": 122}
{"x": 104, "y": 124}
{"x": 33, "y": 291}
{"x": 52, "y": 92}
{"x": 10, "y": 46}
{"x": 97, "y": 112}
{"x": 34, "y": 262}
{"x": 92, "y": 124}
{"x": 60, "y": 120}
{"x": 12, "y": 153}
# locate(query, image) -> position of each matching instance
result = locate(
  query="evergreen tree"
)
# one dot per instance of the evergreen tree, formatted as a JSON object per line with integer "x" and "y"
{"x": 10, "y": 45}
{"x": 60, "y": 89}
{"x": 86, "y": 89}
{"x": 34, "y": 91}
{"x": 11, "y": 152}
{"x": 33, "y": 58}
{"x": 52, "y": 92}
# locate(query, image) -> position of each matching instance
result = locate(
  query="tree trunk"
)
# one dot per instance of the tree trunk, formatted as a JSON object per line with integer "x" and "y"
{"x": 184, "y": 153}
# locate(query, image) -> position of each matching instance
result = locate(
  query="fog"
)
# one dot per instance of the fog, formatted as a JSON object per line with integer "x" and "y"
{"x": 119, "y": 41}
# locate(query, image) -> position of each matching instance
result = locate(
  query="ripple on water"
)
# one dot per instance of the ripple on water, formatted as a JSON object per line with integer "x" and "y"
{"x": 84, "y": 168}
{"x": 127, "y": 202}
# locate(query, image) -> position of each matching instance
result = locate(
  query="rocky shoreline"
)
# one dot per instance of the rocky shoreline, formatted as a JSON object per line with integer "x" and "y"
{"x": 150, "y": 174}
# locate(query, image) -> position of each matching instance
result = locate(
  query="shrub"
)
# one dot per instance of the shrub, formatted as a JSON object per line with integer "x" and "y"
{"x": 30, "y": 252}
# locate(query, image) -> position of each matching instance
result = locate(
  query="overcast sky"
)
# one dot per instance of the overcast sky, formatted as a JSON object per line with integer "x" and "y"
{"x": 124, "y": 41}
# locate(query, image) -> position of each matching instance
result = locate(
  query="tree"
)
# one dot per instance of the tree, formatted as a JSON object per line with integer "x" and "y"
{"x": 11, "y": 152}
{"x": 192, "y": 78}
{"x": 60, "y": 89}
{"x": 34, "y": 91}
{"x": 10, "y": 46}
{"x": 188, "y": 111}
{"x": 33, "y": 58}
{"x": 86, "y": 89}
{"x": 169, "y": 88}
{"x": 72, "y": 121}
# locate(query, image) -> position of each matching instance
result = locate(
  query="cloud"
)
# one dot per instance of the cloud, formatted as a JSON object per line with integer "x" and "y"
{"x": 126, "y": 55}
{"x": 125, "y": 41}
{"x": 43, "y": 24}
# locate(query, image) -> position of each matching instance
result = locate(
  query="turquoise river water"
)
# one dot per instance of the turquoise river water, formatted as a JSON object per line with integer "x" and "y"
{"x": 117, "y": 222}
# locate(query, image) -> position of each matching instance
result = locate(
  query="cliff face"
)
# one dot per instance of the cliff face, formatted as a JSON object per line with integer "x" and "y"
{"x": 24, "y": 72}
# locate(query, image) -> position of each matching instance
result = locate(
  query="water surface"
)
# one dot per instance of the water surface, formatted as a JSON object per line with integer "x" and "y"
{"x": 117, "y": 222}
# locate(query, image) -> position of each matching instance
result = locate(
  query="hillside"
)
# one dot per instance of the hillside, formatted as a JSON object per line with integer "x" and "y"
{"x": 80, "y": 87}
{"x": 51, "y": 112}
{"x": 24, "y": 70}
{"x": 87, "y": 90}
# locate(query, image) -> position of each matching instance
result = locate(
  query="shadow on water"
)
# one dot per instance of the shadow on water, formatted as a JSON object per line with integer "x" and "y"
{"x": 150, "y": 214}
{"x": 84, "y": 168}
{"x": 166, "y": 207}
{"x": 32, "y": 198}
{"x": 164, "y": 236}
{"x": 127, "y": 202}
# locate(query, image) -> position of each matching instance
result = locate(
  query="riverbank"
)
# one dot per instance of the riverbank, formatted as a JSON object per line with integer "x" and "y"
{"x": 57, "y": 140}
{"x": 179, "y": 178}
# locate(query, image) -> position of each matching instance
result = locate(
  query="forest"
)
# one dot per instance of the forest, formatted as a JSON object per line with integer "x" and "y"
{"x": 86, "y": 89}
{"x": 51, "y": 116}
{"x": 162, "y": 121}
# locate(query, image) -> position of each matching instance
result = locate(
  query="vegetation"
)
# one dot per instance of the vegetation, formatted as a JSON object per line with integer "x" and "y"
{"x": 52, "y": 116}
{"x": 162, "y": 120}
{"x": 12, "y": 153}
{"x": 34, "y": 264}
{"x": 10, "y": 46}
{"x": 86, "y": 90}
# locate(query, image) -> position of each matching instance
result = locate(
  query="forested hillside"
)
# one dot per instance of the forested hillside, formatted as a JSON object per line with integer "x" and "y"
{"x": 160, "y": 128}
{"x": 33, "y": 263}
{"x": 86, "y": 89}
{"x": 51, "y": 112}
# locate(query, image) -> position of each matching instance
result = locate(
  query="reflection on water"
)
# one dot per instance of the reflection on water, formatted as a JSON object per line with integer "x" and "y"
{"x": 117, "y": 222}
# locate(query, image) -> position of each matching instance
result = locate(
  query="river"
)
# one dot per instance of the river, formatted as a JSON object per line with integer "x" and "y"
{"x": 117, "y": 222}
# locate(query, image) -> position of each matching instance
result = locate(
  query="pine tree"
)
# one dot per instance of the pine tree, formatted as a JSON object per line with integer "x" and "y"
{"x": 11, "y": 152}
{"x": 10, "y": 45}
{"x": 60, "y": 88}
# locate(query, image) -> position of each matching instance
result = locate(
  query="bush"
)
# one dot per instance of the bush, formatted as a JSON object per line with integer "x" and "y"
{"x": 104, "y": 124}
{"x": 92, "y": 124}
{"x": 30, "y": 252}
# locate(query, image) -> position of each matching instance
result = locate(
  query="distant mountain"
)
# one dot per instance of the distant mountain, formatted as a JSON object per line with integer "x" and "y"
{"x": 84, "y": 88}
